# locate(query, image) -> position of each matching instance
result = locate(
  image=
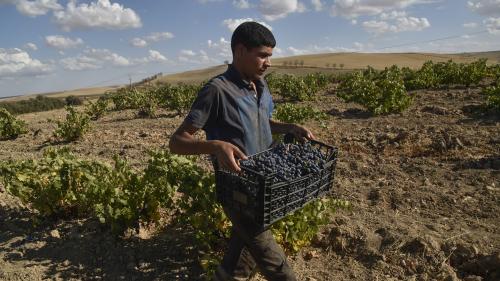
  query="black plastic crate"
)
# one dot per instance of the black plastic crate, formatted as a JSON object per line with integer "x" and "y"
{"x": 264, "y": 199}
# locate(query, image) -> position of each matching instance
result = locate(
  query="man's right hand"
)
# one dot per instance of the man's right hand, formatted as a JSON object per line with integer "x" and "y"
{"x": 227, "y": 155}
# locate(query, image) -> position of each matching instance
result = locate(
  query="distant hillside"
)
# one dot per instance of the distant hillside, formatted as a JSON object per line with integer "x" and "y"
{"x": 97, "y": 91}
{"x": 330, "y": 62}
{"x": 334, "y": 62}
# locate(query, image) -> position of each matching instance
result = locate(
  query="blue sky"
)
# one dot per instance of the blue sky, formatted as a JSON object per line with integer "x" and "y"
{"x": 53, "y": 45}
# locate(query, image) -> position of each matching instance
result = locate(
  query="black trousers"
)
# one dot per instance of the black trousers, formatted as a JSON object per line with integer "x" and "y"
{"x": 252, "y": 248}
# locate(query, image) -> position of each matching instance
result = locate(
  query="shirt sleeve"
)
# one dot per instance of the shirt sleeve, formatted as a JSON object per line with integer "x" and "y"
{"x": 204, "y": 107}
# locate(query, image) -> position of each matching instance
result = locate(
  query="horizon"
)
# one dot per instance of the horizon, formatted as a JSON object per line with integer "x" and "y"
{"x": 67, "y": 45}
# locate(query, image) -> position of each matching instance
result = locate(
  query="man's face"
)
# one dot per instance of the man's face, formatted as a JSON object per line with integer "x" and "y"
{"x": 255, "y": 61}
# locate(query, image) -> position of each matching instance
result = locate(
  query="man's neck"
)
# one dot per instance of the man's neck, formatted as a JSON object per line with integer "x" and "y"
{"x": 242, "y": 74}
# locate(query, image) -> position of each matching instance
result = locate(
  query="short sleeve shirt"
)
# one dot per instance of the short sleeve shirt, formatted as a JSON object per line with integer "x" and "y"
{"x": 227, "y": 108}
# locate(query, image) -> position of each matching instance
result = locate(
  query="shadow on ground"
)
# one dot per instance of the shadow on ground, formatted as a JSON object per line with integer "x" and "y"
{"x": 85, "y": 250}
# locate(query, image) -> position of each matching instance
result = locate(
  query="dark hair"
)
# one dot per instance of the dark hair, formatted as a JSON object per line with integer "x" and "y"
{"x": 252, "y": 34}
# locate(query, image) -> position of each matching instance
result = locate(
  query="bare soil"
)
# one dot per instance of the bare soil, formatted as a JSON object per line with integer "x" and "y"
{"x": 424, "y": 187}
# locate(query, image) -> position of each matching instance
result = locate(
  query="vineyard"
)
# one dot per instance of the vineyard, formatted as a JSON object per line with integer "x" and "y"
{"x": 91, "y": 191}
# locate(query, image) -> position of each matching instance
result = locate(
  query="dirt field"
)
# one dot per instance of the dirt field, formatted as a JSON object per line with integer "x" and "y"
{"x": 424, "y": 186}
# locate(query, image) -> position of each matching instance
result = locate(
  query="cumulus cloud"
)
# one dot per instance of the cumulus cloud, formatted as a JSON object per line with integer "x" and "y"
{"x": 189, "y": 53}
{"x": 94, "y": 59}
{"x": 155, "y": 56}
{"x": 395, "y": 21}
{"x": 493, "y": 25}
{"x": 190, "y": 56}
{"x": 485, "y": 7}
{"x": 277, "y": 9}
{"x": 208, "y": 1}
{"x": 392, "y": 15}
{"x": 16, "y": 62}
{"x": 34, "y": 8}
{"x": 61, "y": 42}
{"x": 241, "y": 4}
{"x": 315, "y": 49}
{"x": 158, "y": 36}
{"x": 152, "y": 37}
{"x": 317, "y": 4}
{"x": 138, "y": 42}
{"x": 99, "y": 58}
{"x": 106, "y": 55}
{"x": 31, "y": 46}
{"x": 100, "y": 14}
{"x": 80, "y": 63}
{"x": 470, "y": 25}
{"x": 231, "y": 24}
{"x": 222, "y": 48}
{"x": 355, "y": 8}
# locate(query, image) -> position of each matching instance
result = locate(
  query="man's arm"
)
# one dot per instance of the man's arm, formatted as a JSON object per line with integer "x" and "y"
{"x": 184, "y": 142}
{"x": 301, "y": 133}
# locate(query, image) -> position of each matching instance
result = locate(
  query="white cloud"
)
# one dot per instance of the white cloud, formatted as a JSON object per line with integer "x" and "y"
{"x": 296, "y": 51}
{"x": 317, "y": 4}
{"x": 493, "y": 25}
{"x": 31, "y": 46}
{"x": 16, "y": 62}
{"x": 100, "y": 14}
{"x": 485, "y": 7}
{"x": 277, "y": 9}
{"x": 34, "y": 8}
{"x": 61, "y": 42}
{"x": 278, "y": 52}
{"x": 470, "y": 25}
{"x": 355, "y": 8}
{"x": 192, "y": 57}
{"x": 208, "y": 1}
{"x": 106, "y": 55}
{"x": 222, "y": 48}
{"x": 100, "y": 58}
{"x": 158, "y": 36}
{"x": 94, "y": 59}
{"x": 189, "y": 53}
{"x": 152, "y": 37}
{"x": 80, "y": 63}
{"x": 315, "y": 49}
{"x": 392, "y": 15}
{"x": 395, "y": 22}
{"x": 241, "y": 4}
{"x": 232, "y": 24}
{"x": 138, "y": 42}
{"x": 155, "y": 56}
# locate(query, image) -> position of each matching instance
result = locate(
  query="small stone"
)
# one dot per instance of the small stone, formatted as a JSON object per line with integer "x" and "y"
{"x": 66, "y": 263}
{"x": 131, "y": 266}
{"x": 55, "y": 234}
{"x": 473, "y": 278}
{"x": 310, "y": 279}
{"x": 310, "y": 255}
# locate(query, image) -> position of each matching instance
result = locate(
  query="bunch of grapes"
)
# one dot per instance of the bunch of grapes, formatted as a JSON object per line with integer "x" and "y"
{"x": 287, "y": 161}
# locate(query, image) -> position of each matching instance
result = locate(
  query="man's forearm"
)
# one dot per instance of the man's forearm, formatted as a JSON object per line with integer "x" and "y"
{"x": 280, "y": 127}
{"x": 182, "y": 144}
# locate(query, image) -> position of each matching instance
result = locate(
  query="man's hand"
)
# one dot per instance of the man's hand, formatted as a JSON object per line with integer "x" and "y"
{"x": 227, "y": 155}
{"x": 301, "y": 133}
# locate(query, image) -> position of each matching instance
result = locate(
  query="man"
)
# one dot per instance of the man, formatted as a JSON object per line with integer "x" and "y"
{"x": 234, "y": 109}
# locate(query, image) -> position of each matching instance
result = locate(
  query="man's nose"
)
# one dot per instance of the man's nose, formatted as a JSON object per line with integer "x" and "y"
{"x": 267, "y": 62}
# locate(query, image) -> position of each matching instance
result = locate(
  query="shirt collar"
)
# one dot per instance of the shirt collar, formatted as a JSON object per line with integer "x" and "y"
{"x": 234, "y": 75}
